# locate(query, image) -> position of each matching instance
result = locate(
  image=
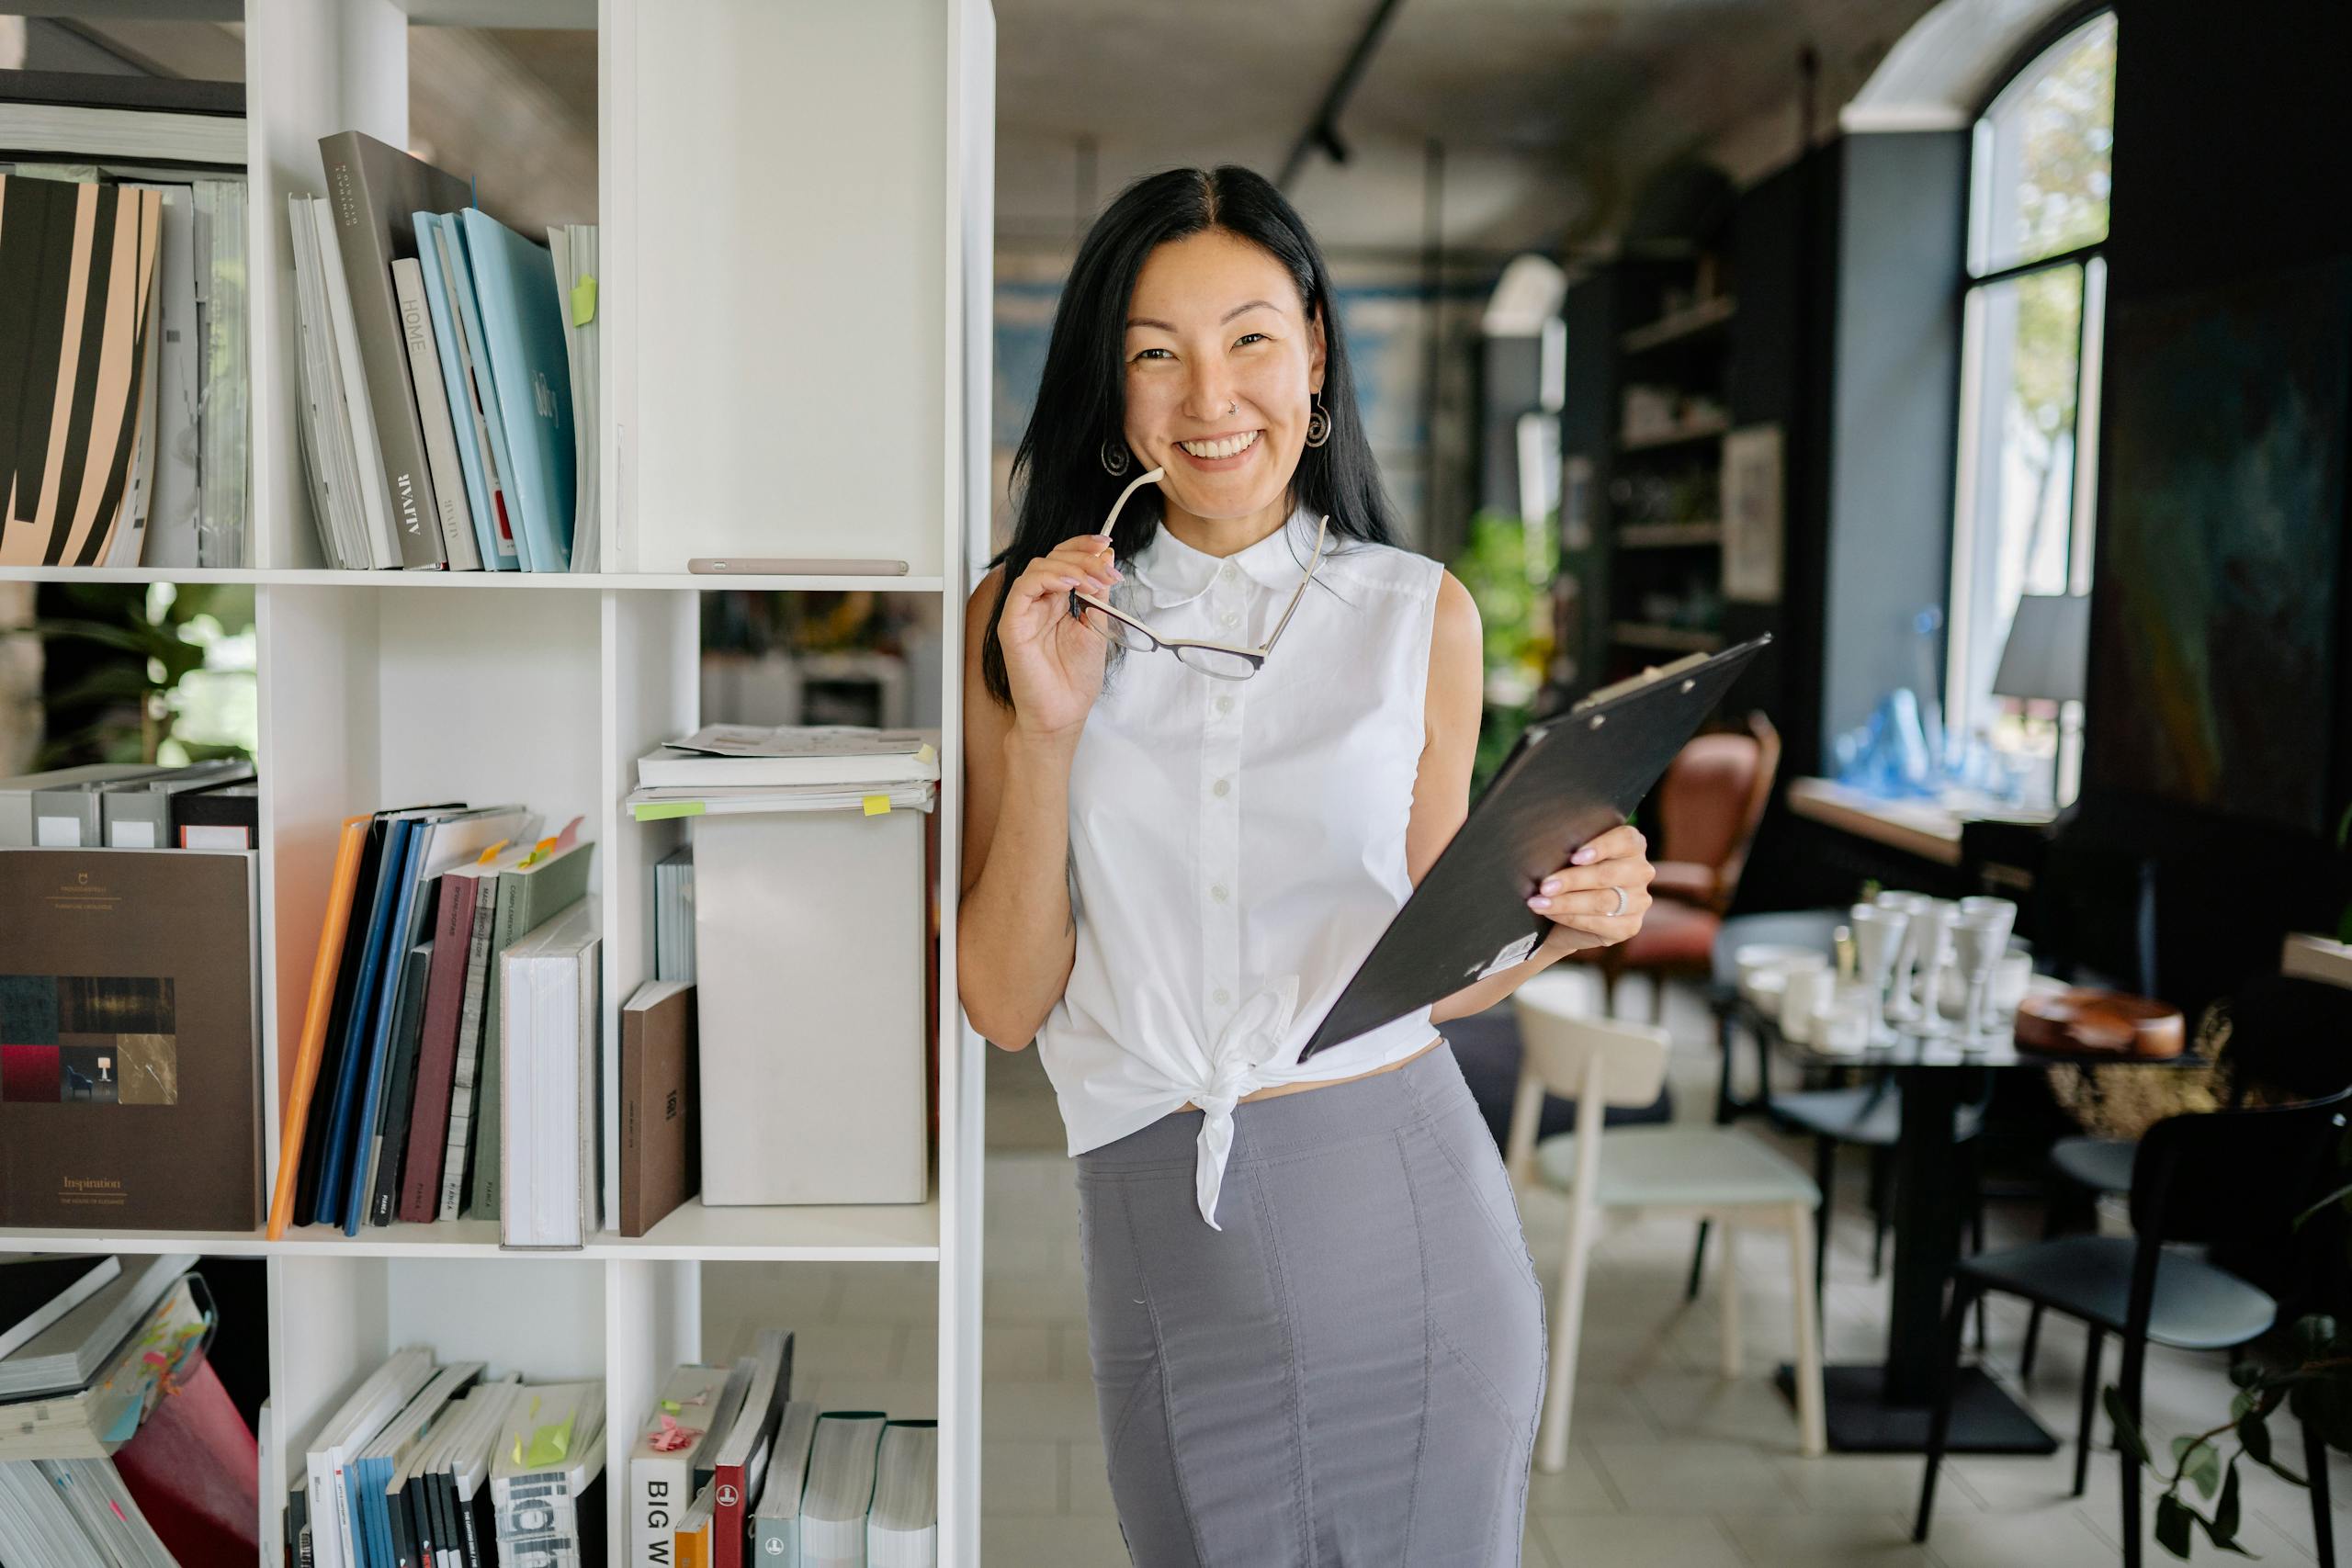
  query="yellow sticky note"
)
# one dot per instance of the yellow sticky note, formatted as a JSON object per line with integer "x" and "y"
{"x": 923, "y": 753}
{"x": 659, "y": 810}
{"x": 877, "y": 806}
{"x": 583, "y": 300}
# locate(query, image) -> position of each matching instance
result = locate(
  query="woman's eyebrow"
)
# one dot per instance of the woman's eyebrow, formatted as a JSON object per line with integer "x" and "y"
{"x": 1163, "y": 326}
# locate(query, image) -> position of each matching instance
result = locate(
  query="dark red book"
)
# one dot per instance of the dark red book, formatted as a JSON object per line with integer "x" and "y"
{"x": 436, "y": 1054}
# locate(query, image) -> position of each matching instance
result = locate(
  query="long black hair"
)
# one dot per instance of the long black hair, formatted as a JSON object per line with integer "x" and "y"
{"x": 1060, "y": 486}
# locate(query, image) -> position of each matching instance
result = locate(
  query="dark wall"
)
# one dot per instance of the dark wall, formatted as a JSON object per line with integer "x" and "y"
{"x": 1894, "y": 399}
{"x": 2232, "y": 129}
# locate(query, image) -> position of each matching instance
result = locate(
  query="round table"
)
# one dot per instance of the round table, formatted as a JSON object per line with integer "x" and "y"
{"x": 1885, "y": 1407}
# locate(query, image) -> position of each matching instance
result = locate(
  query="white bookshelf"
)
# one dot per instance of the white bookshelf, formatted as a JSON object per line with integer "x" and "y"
{"x": 795, "y": 214}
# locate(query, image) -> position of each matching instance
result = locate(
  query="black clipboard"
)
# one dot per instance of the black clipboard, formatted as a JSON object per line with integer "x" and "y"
{"x": 1568, "y": 780}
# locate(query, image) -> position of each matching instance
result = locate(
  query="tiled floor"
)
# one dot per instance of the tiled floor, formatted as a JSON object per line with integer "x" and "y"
{"x": 1671, "y": 1466}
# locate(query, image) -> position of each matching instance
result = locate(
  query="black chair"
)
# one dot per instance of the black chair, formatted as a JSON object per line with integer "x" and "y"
{"x": 2290, "y": 1039}
{"x": 1869, "y": 1116}
{"x": 2244, "y": 1176}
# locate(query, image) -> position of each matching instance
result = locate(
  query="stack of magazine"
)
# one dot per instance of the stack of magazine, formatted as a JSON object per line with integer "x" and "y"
{"x": 724, "y": 768}
{"x": 441, "y": 1465}
{"x": 91, "y": 1345}
{"x": 448, "y": 369}
{"x": 142, "y": 180}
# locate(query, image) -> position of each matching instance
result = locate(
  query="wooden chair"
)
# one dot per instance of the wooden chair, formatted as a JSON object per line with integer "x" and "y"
{"x": 1708, "y": 806}
{"x": 1714, "y": 1173}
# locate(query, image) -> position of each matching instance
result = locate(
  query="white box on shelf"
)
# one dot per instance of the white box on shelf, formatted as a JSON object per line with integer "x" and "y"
{"x": 810, "y": 946}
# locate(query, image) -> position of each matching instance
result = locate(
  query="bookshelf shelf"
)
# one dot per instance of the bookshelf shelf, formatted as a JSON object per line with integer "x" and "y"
{"x": 484, "y": 581}
{"x": 378, "y": 689}
{"x": 1696, "y": 429}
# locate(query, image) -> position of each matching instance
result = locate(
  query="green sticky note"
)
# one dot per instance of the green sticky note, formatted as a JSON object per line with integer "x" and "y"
{"x": 583, "y": 300}
{"x": 659, "y": 810}
{"x": 550, "y": 1445}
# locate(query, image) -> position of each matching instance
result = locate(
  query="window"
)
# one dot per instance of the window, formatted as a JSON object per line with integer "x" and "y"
{"x": 2029, "y": 407}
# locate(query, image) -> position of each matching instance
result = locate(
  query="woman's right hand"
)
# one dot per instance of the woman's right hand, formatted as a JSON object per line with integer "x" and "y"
{"x": 1052, "y": 661}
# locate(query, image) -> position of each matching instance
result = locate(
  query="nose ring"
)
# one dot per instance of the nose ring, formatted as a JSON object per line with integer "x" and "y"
{"x": 1233, "y": 408}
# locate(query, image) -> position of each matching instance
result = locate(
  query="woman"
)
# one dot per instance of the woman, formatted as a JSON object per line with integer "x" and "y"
{"x": 1317, "y": 1335}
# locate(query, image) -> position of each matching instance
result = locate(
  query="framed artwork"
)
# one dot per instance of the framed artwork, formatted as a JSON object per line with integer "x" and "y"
{"x": 2213, "y": 654}
{"x": 1752, "y": 521}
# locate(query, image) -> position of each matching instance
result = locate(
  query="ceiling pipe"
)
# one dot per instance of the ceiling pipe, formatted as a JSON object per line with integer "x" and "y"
{"x": 1322, "y": 130}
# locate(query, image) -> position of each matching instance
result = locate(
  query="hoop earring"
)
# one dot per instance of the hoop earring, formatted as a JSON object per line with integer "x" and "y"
{"x": 1318, "y": 424}
{"x": 1114, "y": 457}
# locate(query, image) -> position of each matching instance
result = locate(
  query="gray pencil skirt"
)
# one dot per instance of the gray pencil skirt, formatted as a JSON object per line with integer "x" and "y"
{"x": 1351, "y": 1370}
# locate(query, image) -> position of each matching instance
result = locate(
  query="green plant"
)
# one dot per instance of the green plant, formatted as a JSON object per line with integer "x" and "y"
{"x": 134, "y": 703}
{"x": 2314, "y": 1387}
{"x": 1508, "y": 565}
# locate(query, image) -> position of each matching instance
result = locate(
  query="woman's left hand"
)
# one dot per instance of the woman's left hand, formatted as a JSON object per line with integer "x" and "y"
{"x": 1581, "y": 897}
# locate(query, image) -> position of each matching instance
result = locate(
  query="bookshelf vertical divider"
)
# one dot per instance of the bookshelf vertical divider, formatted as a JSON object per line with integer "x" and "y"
{"x": 795, "y": 237}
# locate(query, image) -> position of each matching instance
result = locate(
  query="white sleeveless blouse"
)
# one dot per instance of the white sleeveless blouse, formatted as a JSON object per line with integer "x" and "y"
{"x": 1238, "y": 846}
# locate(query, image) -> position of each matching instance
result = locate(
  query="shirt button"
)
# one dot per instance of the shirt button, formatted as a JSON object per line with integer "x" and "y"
{"x": 1222, "y": 786}
{"x": 1226, "y": 571}
{"x": 1224, "y": 705}
{"x": 1218, "y": 892}
{"x": 1222, "y": 995}
{"x": 1229, "y": 619}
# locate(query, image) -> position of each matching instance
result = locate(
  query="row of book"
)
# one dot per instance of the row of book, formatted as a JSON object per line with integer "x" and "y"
{"x": 132, "y": 806}
{"x": 443, "y": 1464}
{"x": 124, "y": 442}
{"x": 118, "y": 1443}
{"x": 730, "y": 1469}
{"x": 447, "y": 1061}
{"x": 448, "y": 369}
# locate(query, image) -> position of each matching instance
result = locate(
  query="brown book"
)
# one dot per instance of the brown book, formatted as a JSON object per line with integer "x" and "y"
{"x": 658, "y": 1170}
{"x": 130, "y": 1041}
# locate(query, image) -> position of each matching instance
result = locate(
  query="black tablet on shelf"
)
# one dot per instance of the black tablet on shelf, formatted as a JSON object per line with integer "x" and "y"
{"x": 1570, "y": 779}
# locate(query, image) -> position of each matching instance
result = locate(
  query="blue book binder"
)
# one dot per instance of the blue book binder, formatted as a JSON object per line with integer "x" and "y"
{"x": 335, "y": 1173}
{"x": 452, "y": 234}
{"x": 497, "y": 554}
{"x": 522, "y": 318}
{"x": 401, "y": 933}
{"x": 373, "y": 1534}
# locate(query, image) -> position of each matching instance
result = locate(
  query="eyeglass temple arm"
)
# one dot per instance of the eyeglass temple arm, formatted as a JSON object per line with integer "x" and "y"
{"x": 1120, "y": 505}
{"x": 1321, "y": 533}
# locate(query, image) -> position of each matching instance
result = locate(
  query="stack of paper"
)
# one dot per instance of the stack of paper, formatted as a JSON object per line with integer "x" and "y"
{"x": 725, "y": 767}
{"x": 549, "y": 1058}
{"x": 383, "y": 1464}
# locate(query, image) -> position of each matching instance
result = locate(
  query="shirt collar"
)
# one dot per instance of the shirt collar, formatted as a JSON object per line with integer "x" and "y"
{"x": 1176, "y": 573}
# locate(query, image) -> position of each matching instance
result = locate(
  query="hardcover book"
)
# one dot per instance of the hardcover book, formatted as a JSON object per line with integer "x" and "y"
{"x": 130, "y": 1041}
{"x": 657, "y": 1093}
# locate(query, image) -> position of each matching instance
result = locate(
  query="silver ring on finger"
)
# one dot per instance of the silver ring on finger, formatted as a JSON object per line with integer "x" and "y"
{"x": 1624, "y": 904}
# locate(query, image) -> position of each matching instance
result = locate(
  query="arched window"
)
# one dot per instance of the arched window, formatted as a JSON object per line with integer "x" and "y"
{"x": 2028, "y": 406}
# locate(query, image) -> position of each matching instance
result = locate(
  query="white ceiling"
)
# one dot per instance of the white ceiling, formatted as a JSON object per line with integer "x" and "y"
{"x": 1550, "y": 112}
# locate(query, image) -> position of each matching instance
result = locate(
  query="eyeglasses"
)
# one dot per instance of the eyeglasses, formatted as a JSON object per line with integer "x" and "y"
{"x": 1222, "y": 661}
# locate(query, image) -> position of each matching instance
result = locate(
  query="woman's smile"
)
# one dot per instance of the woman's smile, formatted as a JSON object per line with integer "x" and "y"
{"x": 1217, "y": 453}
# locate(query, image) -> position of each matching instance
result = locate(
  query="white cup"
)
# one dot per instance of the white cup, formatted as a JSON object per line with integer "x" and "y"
{"x": 1758, "y": 959}
{"x": 1845, "y": 1021}
{"x": 1808, "y": 989}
